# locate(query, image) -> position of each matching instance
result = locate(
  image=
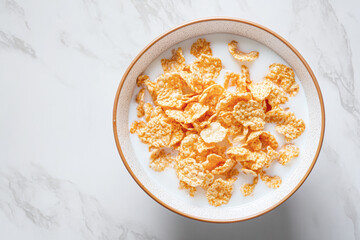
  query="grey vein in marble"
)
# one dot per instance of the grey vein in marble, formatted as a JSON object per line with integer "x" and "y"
{"x": 11, "y": 41}
{"x": 348, "y": 194}
{"x": 334, "y": 54}
{"x": 52, "y": 203}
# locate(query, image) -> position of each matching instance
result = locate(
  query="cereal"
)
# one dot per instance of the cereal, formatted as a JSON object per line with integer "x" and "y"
{"x": 247, "y": 189}
{"x": 287, "y": 153}
{"x": 219, "y": 192}
{"x": 192, "y": 111}
{"x": 250, "y": 114}
{"x": 292, "y": 127}
{"x": 210, "y": 96}
{"x": 159, "y": 160}
{"x": 227, "y": 166}
{"x": 208, "y": 132}
{"x": 175, "y": 63}
{"x": 194, "y": 81}
{"x": 277, "y": 96}
{"x": 230, "y": 99}
{"x": 208, "y": 180}
{"x": 141, "y": 80}
{"x": 148, "y": 108}
{"x": 190, "y": 172}
{"x": 212, "y": 161}
{"x": 140, "y": 101}
{"x": 169, "y": 90}
{"x": 271, "y": 182}
{"x": 214, "y": 133}
{"x": 272, "y": 155}
{"x": 284, "y": 77}
{"x": 207, "y": 66}
{"x": 238, "y": 153}
{"x": 241, "y": 56}
{"x": 260, "y": 90}
{"x": 201, "y": 46}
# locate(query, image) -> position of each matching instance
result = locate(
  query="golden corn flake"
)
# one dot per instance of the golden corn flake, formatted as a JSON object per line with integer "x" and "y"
{"x": 230, "y": 99}
{"x": 151, "y": 87}
{"x": 260, "y": 90}
{"x": 193, "y": 144}
{"x": 276, "y": 115}
{"x": 194, "y": 81}
{"x": 209, "y": 179}
{"x": 184, "y": 185}
{"x": 277, "y": 96}
{"x": 287, "y": 153}
{"x": 239, "y": 55}
{"x": 192, "y": 111}
{"x": 140, "y": 101}
{"x": 259, "y": 160}
{"x": 201, "y": 46}
{"x": 159, "y": 160}
{"x": 207, "y": 66}
{"x": 203, "y": 130}
{"x": 137, "y": 126}
{"x": 175, "y": 64}
{"x": 261, "y": 139}
{"x": 227, "y": 166}
{"x": 214, "y": 133}
{"x": 271, "y": 155}
{"x": 271, "y": 182}
{"x": 283, "y": 76}
{"x": 141, "y": 80}
{"x": 247, "y": 189}
{"x": 238, "y": 153}
{"x": 148, "y": 108}
{"x": 177, "y": 134}
{"x": 169, "y": 90}
{"x": 210, "y": 96}
{"x": 251, "y": 114}
{"x": 212, "y": 161}
{"x": 292, "y": 128}
{"x": 190, "y": 172}
{"x": 219, "y": 192}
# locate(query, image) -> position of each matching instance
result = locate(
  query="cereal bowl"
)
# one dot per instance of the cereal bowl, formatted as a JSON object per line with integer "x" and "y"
{"x": 163, "y": 186}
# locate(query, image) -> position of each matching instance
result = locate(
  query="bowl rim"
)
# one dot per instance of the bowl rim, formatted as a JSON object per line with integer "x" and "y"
{"x": 209, "y": 19}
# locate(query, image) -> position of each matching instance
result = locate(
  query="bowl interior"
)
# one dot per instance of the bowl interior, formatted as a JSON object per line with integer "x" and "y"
{"x": 159, "y": 185}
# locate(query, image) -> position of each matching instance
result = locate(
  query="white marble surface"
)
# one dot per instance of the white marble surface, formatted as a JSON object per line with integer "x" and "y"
{"x": 61, "y": 176}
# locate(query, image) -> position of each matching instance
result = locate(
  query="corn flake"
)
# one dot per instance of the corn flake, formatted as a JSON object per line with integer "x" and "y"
{"x": 214, "y": 133}
{"x": 250, "y": 114}
{"x": 159, "y": 160}
{"x": 247, "y": 189}
{"x": 192, "y": 111}
{"x": 283, "y": 76}
{"x": 201, "y": 46}
{"x": 287, "y": 153}
{"x": 207, "y": 66}
{"x": 270, "y": 181}
{"x": 212, "y": 161}
{"x": 190, "y": 172}
{"x": 227, "y": 166}
{"x": 239, "y": 55}
{"x": 176, "y": 63}
{"x": 219, "y": 192}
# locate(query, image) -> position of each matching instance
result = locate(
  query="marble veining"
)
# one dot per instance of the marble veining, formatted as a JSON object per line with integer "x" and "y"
{"x": 61, "y": 176}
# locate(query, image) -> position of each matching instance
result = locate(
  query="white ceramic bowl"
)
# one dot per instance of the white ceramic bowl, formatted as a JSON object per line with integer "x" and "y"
{"x": 198, "y": 209}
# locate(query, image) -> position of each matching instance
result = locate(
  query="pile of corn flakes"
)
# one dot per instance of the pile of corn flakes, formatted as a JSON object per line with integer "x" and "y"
{"x": 207, "y": 131}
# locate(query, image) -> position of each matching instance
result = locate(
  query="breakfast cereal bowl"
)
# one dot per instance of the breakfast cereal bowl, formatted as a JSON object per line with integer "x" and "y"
{"x": 163, "y": 186}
